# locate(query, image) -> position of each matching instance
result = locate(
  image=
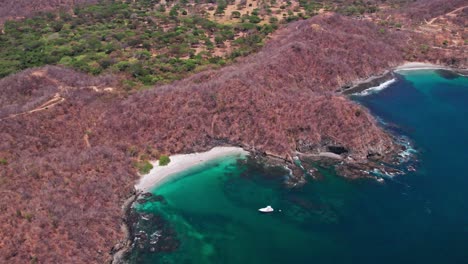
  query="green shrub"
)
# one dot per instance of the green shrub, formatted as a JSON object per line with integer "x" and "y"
{"x": 254, "y": 19}
{"x": 8, "y": 67}
{"x": 105, "y": 63}
{"x": 247, "y": 26}
{"x": 122, "y": 65}
{"x": 129, "y": 85}
{"x": 28, "y": 216}
{"x": 291, "y": 18}
{"x": 33, "y": 260}
{"x": 174, "y": 12}
{"x": 424, "y": 48}
{"x": 149, "y": 79}
{"x": 144, "y": 167}
{"x": 164, "y": 160}
{"x": 235, "y": 14}
{"x": 97, "y": 39}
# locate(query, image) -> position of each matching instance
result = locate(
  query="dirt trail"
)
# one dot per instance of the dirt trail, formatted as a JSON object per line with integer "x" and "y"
{"x": 56, "y": 99}
{"x": 447, "y": 14}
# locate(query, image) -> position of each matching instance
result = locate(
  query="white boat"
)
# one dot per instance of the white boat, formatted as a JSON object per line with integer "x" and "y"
{"x": 267, "y": 209}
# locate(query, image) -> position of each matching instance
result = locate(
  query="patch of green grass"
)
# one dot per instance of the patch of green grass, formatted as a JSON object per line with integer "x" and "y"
{"x": 28, "y": 216}
{"x": 33, "y": 260}
{"x": 164, "y": 160}
{"x": 144, "y": 167}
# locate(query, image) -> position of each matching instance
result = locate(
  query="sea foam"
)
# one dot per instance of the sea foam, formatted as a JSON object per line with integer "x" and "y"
{"x": 376, "y": 89}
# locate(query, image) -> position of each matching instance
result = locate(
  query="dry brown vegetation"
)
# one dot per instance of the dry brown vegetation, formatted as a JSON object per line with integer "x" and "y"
{"x": 274, "y": 99}
{"x": 62, "y": 193}
{"x": 420, "y": 11}
{"x": 437, "y": 28}
{"x": 65, "y": 170}
{"x": 15, "y": 9}
{"x": 60, "y": 200}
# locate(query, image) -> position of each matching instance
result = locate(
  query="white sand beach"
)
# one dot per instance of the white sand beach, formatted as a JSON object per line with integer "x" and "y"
{"x": 409, "y": 66}
{"x": 180, "y": 163}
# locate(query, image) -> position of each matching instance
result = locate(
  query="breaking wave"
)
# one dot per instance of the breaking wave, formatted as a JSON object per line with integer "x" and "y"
{"x": 376, "y": 89}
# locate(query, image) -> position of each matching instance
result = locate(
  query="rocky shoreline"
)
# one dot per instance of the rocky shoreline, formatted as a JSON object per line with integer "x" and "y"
{"x": 302, "y": 167}
{"x": 299, "y": 165}
{"x": 123, "y": 247}
{"x": 362, "y": 85}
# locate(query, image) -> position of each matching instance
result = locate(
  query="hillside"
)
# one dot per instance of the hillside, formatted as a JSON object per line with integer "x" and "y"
{"x": 83, "y": 146}
{"x": 275, "y": 98}
{"x": 151, "y": 42}
{"x": 147, "y": 45}
{"x": 17, "y": 9}
{"x": 72, "y": 142}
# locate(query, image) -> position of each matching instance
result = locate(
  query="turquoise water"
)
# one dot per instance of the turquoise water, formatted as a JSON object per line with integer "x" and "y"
{"x": 209, "y": 213}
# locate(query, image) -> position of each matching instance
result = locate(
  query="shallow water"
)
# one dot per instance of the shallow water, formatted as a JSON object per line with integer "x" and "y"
{"x": 420, "y": 217}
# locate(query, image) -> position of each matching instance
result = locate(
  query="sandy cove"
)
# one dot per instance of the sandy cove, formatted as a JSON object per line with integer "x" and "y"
{"x": 381, "y": 81}
{"x": 410, "y": 66}
{"x": 419, "y": 66}
{"x": 180, "y": 163}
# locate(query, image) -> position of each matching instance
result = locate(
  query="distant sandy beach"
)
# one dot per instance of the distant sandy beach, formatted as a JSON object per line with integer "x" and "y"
{"x": 418, "y": 66}
{"x": 380, "y": 82}
{"x": 180, "y": 163}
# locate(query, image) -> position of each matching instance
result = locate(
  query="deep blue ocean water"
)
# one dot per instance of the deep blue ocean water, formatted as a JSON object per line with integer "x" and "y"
{"x": 419, "y": 217}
